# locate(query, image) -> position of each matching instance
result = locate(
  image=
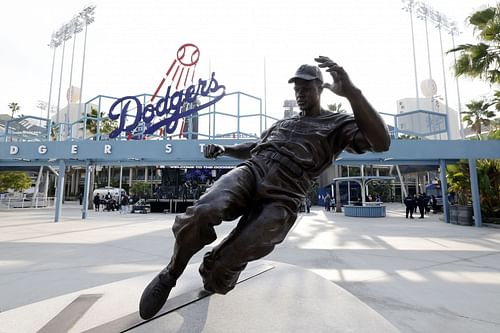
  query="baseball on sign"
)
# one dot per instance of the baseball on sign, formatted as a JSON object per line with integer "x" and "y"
{"x": 188, "y": 54}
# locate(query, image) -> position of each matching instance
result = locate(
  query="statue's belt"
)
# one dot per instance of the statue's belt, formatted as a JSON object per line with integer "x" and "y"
{"x": 286, "y": 162}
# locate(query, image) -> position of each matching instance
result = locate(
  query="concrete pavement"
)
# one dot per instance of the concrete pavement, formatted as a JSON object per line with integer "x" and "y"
{"x": 420, "y": 275}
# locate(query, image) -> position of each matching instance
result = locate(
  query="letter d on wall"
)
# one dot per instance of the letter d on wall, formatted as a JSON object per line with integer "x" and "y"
{"x": 14, "y": 150}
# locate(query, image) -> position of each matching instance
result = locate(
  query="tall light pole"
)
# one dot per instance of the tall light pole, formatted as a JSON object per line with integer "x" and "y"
{"x": 409, "y": 8}
{"x": 76, "y": 25}
{"x": 66, "y": 35}
{"x": 65, "y": 32}
{"x": 55, "y": 41}
{"x": 87, "y": 16}
{"x": 453, "y": 31}
{"x": 441, "y": 22}
{"x": 438, "y": 19}
{"x": 423, "y": 13}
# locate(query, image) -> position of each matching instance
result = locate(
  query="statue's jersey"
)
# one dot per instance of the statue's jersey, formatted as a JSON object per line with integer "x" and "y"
{"x": 311, "y": 142}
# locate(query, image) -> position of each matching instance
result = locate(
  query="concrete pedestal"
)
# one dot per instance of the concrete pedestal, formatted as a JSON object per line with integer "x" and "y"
{"x": 282, "y": 299}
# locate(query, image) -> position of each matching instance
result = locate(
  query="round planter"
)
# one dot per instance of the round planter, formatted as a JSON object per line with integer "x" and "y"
{"x": 453, "y": 214}
{"x": 464, "y": 215}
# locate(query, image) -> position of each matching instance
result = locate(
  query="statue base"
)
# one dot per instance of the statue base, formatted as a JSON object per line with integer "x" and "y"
{"x": 269, "y": 297}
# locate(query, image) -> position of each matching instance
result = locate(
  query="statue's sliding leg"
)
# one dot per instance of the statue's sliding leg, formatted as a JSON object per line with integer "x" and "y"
{"x": 226, "y": 200}
{"x": 256, "y": 235}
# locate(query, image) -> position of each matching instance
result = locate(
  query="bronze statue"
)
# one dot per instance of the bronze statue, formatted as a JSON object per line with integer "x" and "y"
{"x": 267, "y": 189}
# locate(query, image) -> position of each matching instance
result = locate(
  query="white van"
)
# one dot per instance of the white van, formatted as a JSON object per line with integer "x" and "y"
{"x": 116, "y": 193}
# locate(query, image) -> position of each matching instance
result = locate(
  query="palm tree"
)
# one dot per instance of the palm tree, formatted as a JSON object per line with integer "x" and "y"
{"x": 409, "y": 137}
{"x": 481, "y": 60}
{"x": 91, "y": 120}
{"x": 336, "y": 108}
{"x": 94, "y": 119}
{"x": 14, "y": 107}
{"x": 478, "y": 116}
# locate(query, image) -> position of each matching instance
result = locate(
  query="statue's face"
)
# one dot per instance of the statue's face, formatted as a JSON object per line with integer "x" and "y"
{"x": 307, "y": 94}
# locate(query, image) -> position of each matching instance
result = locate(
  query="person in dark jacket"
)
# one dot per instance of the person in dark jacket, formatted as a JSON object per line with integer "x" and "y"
{"x": 421, "y": 205}
{"x": 328, "y": 202}
{"x": 410, "y": 206}
{"x": 434, "y": 203}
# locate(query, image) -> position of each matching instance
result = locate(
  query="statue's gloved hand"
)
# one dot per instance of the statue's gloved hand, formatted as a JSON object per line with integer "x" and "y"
{"x": 213, "y": 150}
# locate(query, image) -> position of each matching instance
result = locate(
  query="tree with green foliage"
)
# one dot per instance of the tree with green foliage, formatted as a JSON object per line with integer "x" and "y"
{"x": 408, "y": 137}
{"x": 336, "y": 108}
{"x": 458, "y": 178}
{"x": 141, "y": 189}
{"x": 488, "y": 174}
{"x": 14, "y": 107}
{"x": 478, "y": 115}
{"x": 481, "y": 60}
{"x": 95, "y": 119}
{"x": 14, "y": 180}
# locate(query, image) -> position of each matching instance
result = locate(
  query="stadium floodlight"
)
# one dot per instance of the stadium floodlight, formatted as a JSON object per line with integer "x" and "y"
{"x": 440, "y": 21}
{"x": 55, "y": 40}
{"x": 87, "y": 14}
{"x": 64, "y": 33}
{"x": 77, "y": 24}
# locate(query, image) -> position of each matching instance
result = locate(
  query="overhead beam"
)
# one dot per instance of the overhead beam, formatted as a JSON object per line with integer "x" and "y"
{"x": 188, "y": 153}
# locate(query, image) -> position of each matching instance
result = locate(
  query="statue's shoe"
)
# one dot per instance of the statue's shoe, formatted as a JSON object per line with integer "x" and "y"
{"x": 155, "y": 295}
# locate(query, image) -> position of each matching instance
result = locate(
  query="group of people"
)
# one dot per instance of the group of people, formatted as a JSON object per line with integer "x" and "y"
{"x": 109, "y": 203}
{"x": 412, "y": 202}
{"x": 329, "y": 201}
{"x": 305, "y": 205}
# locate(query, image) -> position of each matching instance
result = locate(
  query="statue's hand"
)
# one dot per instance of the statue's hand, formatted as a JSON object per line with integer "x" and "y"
{"x": 342, "y": 84}
{"x": 213, "y": 150}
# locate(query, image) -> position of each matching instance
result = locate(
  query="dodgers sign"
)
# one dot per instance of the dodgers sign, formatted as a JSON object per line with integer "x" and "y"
{"x": 175, "y": 104}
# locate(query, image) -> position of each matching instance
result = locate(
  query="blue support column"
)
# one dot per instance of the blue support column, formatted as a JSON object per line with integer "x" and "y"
{"x": 60, "y": 190}
{"x": 86, "y": 191}
{"x": 476, "y": 203}
{"x": 444, "y": 190}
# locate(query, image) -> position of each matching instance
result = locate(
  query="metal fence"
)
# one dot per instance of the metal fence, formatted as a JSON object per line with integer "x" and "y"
{"x": 9, "y": 203}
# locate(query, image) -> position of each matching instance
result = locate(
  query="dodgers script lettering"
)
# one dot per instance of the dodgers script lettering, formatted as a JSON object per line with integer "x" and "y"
{"x": 168, "y": 108}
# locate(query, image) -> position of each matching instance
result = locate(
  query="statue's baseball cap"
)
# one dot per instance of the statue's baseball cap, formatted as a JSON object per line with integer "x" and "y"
{"x": 308, "y": 73}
